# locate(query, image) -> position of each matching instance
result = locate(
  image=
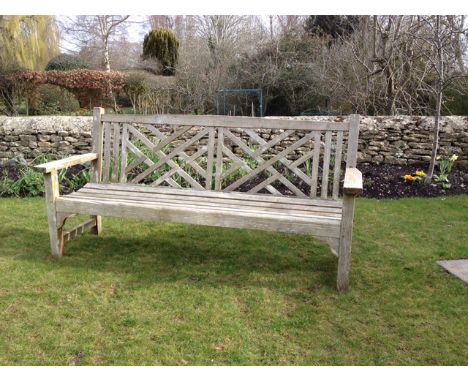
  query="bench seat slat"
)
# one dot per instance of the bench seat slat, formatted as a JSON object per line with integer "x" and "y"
{"x": 200, "y": 216}
{"x": 208, "y": 202}
{"x": 210, "y": 209}
{"x": 233, "y": 195}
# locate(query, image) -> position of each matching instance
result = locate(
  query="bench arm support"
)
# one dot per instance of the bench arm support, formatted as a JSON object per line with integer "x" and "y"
{"x": 352, "y": 182}
{"x": 66, "y": 162}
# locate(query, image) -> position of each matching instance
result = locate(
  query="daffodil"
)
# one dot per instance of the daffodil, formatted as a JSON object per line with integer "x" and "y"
{"x": 409, "y": 177}
{"x": 420, "y": 173}
{"x": 454, "y": 158}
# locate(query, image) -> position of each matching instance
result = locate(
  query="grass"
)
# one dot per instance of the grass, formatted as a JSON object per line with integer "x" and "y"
{"x": 149, "y": 293}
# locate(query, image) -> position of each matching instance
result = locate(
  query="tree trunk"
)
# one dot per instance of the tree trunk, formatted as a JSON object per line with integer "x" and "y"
{"x": 440, "y": 83}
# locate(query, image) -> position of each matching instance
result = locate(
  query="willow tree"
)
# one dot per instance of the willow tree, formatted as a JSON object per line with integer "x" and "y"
{"x": 27, "y": 41}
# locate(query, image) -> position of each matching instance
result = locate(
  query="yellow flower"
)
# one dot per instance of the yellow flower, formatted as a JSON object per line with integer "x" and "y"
{"x": 454, "y": 158}
{"x": 409, "y": 177}
{"x": 438, "y": 157}
{"x": 420, "y": 173}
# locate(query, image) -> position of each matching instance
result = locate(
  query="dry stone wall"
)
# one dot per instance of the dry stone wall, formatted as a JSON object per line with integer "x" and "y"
{"x": 390, "y": 139}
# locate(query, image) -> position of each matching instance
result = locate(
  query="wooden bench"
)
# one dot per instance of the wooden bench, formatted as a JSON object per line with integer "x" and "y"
{"x": 256, "y": 173}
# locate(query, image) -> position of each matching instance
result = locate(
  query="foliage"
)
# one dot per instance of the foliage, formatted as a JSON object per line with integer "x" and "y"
{"x": 53, "y": 100}
{"x": 91, "y": 87}
{"x": 152, "y": 293}
{"x": 445, "y": 165}
{"x": 27, "y": 41}
{"x": 66, "y": 62}
{"x": 161, "y": 44}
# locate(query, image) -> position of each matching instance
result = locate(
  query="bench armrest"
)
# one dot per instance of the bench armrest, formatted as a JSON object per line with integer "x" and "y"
{"x": 66, "y": 162}
{"x": 352, "y": 182}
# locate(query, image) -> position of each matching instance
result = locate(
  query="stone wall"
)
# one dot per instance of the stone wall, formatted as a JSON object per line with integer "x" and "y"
{"x": 394, "y": 140}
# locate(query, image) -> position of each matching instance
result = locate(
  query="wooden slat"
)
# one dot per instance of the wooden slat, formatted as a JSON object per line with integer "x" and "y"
{"x": 219, "y": 159}
{"x": 337, "y": 170}
{"x": 325, "y": 227}
{"x": 66, "y": 162}
{"x": 203, "y": 203}
{"x": 123, "y": 161}
{"x": 234, "y": 196}
{"x": 223, "y": 121}
{"x": 97, "y": 148}
{"x": 166, "y": 158}
{"x": 208, "y": 201}
{"x": 352, "y": 181}
{"x": 286, "y": 162}
{"x": 79, "y": 229}
{"x": 352, "y": 149}
{"x": 315, "y": 165}
{"x": 116, "y": 152}
{"x": 209, "y": 162}
{"x": 265, "y": 165}
{"x": 107, "y": 153}
{"x": 326, "y": 164}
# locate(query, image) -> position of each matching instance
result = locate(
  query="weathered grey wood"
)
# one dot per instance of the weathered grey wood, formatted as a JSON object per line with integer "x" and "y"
{"x": 55, "y": 231}
{"x": 330, "y": 220}
{"x": 346, "y": 235}
{"x": 208, "y": 201}
{"x": 337, "y": 170}
{"x": 123, "y": 159}
{"x": 265, "y": 165}
{"x": 326, "y": 164}
{"x": 79, "y": 229}
{"x": 97, "y": 148}
{"x": 209, "y": 163}
{"x": 353, "y": 137}
{"x": 106, "y": 152}
{"x": 223, "y": 121}
{"x": 219, "y": 159}
{"x": 315, "y": 165}
{"x": 66, "y": 162}
{"x": 116, "y": 152}
{"x": 352, "y": 181}
{"x": 98, "y": 136}
{"x": 240, "y": 196}
{"x": 325, "y": 227}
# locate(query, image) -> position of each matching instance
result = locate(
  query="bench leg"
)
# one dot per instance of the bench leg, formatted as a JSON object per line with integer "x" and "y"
{"x": 55, "y": 226}
{"x": 346, "y": 235}
{"x": 97, "y": 229}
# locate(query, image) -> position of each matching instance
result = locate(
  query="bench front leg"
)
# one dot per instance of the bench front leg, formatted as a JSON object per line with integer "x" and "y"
{"x": 55, "y": 227}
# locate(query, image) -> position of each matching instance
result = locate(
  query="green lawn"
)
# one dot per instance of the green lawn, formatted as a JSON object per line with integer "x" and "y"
{"x": 149, "y": 293}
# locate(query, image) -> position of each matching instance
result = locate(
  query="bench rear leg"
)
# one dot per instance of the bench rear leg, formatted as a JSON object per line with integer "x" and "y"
{"x": 346, "y": 236}
{"x": 55, "y": 226}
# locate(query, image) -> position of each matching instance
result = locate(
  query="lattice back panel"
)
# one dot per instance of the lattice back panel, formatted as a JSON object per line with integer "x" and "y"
{"x": 304, "y": 159}
{"x": 288, "y": 162}
{"x": 158, "y": 155}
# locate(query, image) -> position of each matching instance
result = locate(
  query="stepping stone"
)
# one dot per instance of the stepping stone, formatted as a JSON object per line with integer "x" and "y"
{"x": 457, "y": 268}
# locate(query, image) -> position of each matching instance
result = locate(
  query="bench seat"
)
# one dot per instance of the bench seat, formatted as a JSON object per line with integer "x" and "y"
{"x": 320, "y": 218}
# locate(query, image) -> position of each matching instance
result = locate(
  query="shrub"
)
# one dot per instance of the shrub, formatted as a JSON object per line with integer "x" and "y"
{"x": 53, "y": 99}
{"x": 66, "y": 62}
{"x": 162, "y": 45}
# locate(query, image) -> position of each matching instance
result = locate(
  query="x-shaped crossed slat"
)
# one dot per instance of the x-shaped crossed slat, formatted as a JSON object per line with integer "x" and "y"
{"x": 267, "y": 165}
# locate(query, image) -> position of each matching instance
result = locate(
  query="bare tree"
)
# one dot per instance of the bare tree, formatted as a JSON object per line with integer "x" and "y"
{"x": 95, "y": 32}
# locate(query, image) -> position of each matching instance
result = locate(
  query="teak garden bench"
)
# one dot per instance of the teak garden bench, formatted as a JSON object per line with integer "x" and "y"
{"x": 243, "y": 172}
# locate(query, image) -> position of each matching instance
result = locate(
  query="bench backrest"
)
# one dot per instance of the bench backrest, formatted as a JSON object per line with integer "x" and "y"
{"x": 255, "y": 155}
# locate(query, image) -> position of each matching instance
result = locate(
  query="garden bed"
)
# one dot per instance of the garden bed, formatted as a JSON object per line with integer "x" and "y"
{"x": 380, "y": 181}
